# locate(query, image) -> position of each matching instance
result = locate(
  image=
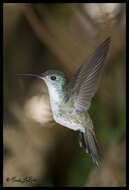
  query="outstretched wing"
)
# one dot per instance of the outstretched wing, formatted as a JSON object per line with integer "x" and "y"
{"x": 85, "y": 82}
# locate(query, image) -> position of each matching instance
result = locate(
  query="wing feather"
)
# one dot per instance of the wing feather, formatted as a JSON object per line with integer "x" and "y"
{"x": 84, "y": 83}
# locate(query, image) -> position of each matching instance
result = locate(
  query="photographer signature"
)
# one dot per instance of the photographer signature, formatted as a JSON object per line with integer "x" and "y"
{"x": 28, "y": 179}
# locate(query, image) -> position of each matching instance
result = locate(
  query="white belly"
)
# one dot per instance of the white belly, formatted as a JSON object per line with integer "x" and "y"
{"x": 68, "y": 123}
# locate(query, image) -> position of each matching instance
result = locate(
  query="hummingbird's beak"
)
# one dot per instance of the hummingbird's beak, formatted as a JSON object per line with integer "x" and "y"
{"x": 33, "y": 75}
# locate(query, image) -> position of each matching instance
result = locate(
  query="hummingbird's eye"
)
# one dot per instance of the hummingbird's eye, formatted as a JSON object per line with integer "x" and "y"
{"x": 53, "y": 78}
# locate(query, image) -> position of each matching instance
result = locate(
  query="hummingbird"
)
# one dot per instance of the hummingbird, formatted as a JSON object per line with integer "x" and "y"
{"x": 70, "y": 101}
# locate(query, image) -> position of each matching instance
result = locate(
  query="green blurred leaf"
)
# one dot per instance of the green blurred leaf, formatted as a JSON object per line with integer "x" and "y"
{"x": 109, "y": 135}
{"x": 80, "y": 169}
{"x": 98, "y": 112}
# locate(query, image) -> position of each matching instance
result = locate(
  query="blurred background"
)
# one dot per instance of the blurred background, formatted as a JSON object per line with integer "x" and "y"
{"x": 61, "y": 36}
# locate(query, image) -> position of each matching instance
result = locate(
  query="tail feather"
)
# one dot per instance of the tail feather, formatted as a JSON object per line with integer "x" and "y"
{"x": 89, "y": 142}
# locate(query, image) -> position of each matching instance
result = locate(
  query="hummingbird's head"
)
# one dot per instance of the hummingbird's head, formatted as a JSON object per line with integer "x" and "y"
{"x": 53, "y": 78}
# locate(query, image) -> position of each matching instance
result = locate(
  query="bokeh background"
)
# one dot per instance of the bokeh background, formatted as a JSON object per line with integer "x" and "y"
{"x": 38, "y": 37}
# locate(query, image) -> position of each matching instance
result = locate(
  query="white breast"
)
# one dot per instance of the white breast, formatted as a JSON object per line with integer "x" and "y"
{"x": 55, "y": 106}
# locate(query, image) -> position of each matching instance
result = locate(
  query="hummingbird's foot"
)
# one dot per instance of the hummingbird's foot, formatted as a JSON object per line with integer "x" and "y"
{"x": 80, "y": 139}
{"x": 80, "y": 143}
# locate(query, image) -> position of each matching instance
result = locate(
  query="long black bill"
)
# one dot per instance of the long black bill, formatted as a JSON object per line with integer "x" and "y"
{"x": 33, "y": 75}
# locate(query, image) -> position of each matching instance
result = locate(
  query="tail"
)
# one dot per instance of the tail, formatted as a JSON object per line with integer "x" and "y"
{"x": 89, "y": 142}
